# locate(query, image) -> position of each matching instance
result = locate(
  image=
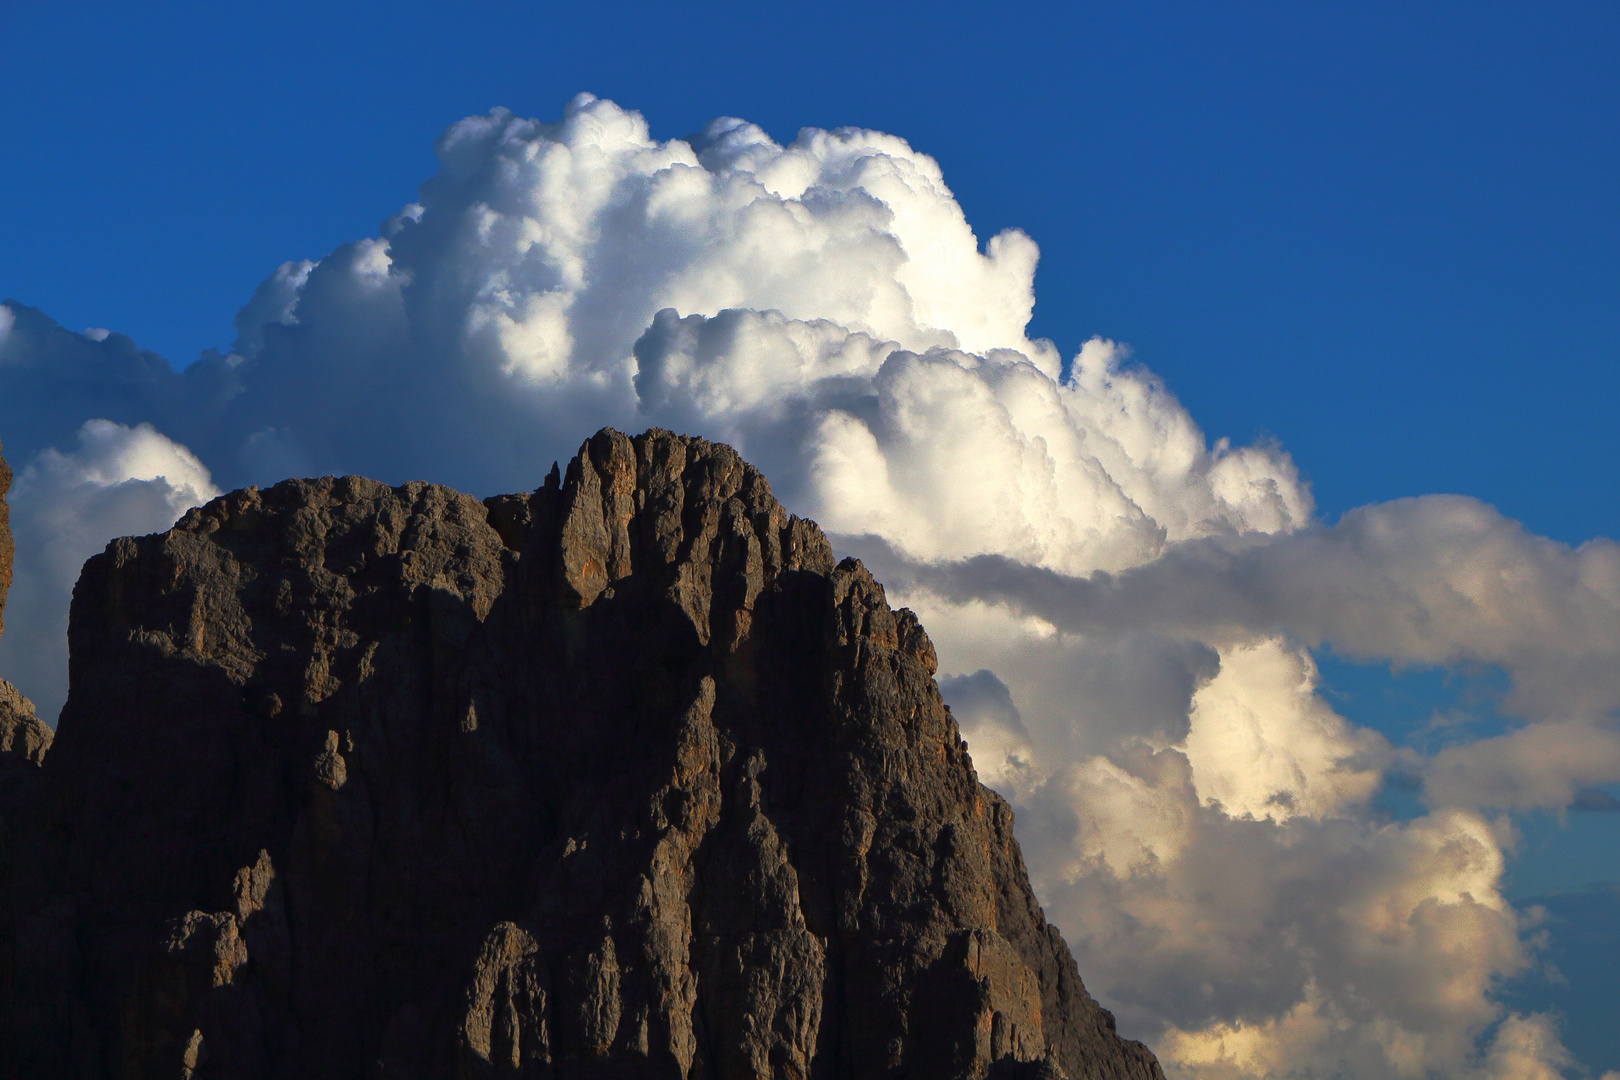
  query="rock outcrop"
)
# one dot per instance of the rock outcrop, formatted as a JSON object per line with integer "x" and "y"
{"x": 23, "y": 742}
{"x": 622, "y": 778}
{"x": 23, "y": 738}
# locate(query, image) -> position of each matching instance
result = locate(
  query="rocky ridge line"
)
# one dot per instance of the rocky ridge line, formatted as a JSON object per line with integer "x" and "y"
{"x": 620, "y": 778}
{"x": 23, "y": 738}
{"x": 7, "y": 549}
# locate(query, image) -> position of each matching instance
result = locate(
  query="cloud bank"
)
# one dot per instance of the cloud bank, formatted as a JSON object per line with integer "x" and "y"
{"x": 1124, "y": 611}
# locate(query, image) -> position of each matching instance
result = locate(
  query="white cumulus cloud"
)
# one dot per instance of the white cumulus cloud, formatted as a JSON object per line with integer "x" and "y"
{"x": 1124, "y": 610}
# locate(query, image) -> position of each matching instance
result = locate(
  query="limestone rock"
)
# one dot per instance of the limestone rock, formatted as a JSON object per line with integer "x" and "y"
{"x": 23, "y": 743}
{"x": 21, "y": 732}
{"x": 23, "y": 738}
{"x": 621, "y": 778}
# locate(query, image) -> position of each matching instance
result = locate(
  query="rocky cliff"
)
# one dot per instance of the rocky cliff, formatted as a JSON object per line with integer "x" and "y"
{"x": 23, "y": 743}
{"x": 622, "y": 778}
{"x": 23, "y": 739}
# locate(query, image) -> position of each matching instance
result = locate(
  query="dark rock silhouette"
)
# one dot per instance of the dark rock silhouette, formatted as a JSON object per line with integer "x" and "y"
{"x": 623, "y": 778}
{"x": 23, "y": 742}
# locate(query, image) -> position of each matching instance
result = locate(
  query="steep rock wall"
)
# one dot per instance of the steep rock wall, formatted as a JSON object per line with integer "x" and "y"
{"x": 622, "y": 778}
{"x": 23, "y": 738}
{"x": 6, "y": 547}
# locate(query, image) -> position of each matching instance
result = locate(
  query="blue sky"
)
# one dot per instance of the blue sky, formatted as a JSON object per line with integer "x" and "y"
{"x": 1384, "y": 233}
{"x": 1385, "y": 236}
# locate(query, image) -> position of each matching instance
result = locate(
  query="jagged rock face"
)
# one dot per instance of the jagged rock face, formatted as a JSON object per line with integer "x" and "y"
{"x": 623, "y": 778}
{"x": 23, "y": 738}
{"x": 23, "y": 743}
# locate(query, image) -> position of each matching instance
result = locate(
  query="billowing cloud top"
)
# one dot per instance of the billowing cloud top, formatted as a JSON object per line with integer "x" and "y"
{"x": 1123, "y": 610}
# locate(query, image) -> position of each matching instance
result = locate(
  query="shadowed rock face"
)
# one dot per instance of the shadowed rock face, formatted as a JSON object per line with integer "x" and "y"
{"x": 23, "y": 742}
{"x": 623, "y": 778}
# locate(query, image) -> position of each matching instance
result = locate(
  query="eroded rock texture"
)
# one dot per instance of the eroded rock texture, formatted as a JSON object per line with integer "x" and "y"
{"x": 23, "y": 738}
{"x": 623, "y": 778}
{"x": 23, "y": 742}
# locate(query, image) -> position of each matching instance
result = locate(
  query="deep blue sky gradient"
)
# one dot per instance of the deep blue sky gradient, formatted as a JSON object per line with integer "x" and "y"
{"x": 1385, "y": 234}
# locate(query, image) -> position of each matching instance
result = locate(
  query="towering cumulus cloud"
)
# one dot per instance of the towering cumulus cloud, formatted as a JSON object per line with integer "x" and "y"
{"x": 1125, "y": 613}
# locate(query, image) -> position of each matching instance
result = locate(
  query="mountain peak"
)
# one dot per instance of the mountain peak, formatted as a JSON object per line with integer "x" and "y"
{"x": 620, "y": 778}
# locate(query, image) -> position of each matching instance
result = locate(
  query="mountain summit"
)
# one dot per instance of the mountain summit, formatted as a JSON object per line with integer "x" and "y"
{"x": 620, "y": 778}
